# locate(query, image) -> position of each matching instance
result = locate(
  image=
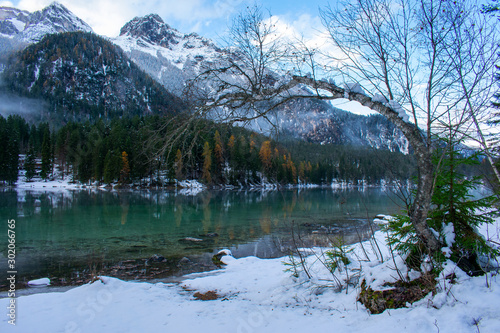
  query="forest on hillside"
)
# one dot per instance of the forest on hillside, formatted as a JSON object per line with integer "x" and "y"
{"x": 82, "y": 76}
{"x": 126, "y": 151}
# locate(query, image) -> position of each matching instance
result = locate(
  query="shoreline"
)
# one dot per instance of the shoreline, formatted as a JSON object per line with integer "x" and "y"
{"x": 257, "y": 295}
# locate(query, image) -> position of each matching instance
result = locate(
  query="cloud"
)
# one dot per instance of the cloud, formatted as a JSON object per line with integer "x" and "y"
{"x": 106, "y": 17}
{"x": 6, "y": 4}
{"x": 309, "y": 31}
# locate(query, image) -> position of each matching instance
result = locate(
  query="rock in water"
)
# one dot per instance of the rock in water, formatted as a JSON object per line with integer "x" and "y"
{"x": 192, "y": 239}
{"x": 156, "y": 258}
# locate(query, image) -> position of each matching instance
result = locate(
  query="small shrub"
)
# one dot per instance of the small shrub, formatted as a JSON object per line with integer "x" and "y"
{"x": 293, "y": 266}
{"x": 337, "y": 257}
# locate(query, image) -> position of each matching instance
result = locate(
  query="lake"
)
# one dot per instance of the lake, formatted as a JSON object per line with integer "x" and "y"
{"x": 69, "y": 235}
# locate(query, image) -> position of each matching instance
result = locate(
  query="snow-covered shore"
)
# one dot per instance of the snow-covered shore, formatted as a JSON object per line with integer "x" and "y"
{"x": 257, "y": 295}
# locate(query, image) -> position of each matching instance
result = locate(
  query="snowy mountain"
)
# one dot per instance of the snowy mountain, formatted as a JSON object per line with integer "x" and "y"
{"x": 319, "y": 122}
{"x": 19, "y": 28}
{"x": 32, "y": 27}
{"x": 166, "y": 54}
{"x": 172, "y": 58}
{"x": 82, "y": 76}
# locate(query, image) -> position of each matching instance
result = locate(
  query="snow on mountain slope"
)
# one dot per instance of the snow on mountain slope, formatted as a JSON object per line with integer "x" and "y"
{"x": 163, "y": 52}
{"x": 52, "y": 19}
{"x": 32, "y": 27}
{"x": 151, "y": 35}
{"x": 173, "y": 58}
{"x": 12, "y": 21}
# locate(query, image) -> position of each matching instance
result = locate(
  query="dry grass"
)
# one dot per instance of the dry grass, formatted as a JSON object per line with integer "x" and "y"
{"x": 208, "y": 296}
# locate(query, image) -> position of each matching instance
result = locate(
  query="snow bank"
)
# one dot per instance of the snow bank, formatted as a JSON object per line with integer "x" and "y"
{"x": 47, "y": 185}
{"x": 190, "y": 187}
{"x": 257, "y": 295}
{"x": 43, "y": 282}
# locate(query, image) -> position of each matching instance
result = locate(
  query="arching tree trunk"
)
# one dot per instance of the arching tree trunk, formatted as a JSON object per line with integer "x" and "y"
{"x": 422, "y": 202}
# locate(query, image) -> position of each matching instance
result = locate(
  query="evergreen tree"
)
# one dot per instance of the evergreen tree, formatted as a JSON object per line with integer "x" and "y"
{"x": 85, "y": 167}
{"x": 29, "y": 165}
{"x": 4, "y": 136}
{"x": 12, "y": 158}
{"x": 302, "y": 171}
{"x": 46, "y": 155}
{"x": 108, "y": 176}
{"x": 9, "y": 150}
{"x": 112, "y": 167}
{"x": 454, "y": 204}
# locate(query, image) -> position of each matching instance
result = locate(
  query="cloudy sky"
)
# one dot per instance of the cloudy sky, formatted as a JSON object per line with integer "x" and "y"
{"x": 209, "y": 18}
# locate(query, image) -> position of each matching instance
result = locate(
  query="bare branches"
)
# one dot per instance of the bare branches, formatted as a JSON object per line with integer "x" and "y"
{"x": 429, "y": 58}
{"x": 474, "y": 52}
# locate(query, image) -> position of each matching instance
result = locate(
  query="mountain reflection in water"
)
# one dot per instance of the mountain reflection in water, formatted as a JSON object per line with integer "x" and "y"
{"x": 62, "y": 234}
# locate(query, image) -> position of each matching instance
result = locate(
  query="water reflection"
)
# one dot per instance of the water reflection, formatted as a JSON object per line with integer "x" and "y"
{"x": 70, "y": 228}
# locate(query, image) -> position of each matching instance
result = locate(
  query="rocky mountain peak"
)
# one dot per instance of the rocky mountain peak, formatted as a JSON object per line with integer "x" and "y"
{"x": 52, "y": 19}
{"x": 152, "y": 29}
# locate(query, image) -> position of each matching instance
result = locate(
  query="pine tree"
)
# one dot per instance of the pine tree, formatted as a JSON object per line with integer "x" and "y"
{"x": 453, "y": 203}
{"x": 108, "y": 176}
{"x": 85, "y": 167}
{"x": 231, "y": 142}
{"x": 9, "y": 150}
{"x": 292, "y": 170}
{"x": 12, "y": 158}
{"x": 29, "y": 165}
{"x": 46, "y": 155}
{"x": 302, "y": 171}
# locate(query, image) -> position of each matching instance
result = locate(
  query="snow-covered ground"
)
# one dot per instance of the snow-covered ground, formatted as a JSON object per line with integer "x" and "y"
{"x": 55, "y": 185}
{"x": 257, "y": 295}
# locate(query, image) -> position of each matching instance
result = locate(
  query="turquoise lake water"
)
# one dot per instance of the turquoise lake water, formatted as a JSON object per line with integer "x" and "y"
{"x": 71, "y": 229}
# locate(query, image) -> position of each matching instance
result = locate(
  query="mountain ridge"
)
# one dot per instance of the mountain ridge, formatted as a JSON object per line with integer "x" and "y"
{"x": 32, "y": 27}
{"x": 173, "y": 58}
{"x": 83, "y": 77}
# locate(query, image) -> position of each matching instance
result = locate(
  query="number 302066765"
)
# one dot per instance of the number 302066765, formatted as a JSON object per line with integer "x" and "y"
{"x": 11, "y": 233}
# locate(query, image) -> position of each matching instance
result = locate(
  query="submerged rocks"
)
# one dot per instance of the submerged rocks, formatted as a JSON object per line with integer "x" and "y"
{"x": 206, "y": 238}
{"x": 184, "y": 261}
{"x": 156, "y": 258}
{"x": 191, "y": 239}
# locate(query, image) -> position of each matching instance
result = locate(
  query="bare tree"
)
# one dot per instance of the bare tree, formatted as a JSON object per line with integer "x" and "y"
{"x": 473, "y": 50}
{"x": 406, "y": 58}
